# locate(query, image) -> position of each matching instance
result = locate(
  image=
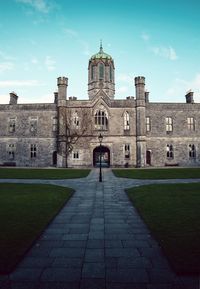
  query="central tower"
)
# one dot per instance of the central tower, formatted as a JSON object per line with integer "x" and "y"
{"x": 101, "y": 74}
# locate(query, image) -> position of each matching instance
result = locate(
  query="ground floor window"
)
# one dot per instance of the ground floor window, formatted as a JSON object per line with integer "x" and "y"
{"x": 192, "y": 151}
{"x": 170, "y": 151}
{"x": 127, "y": 151}
{"x": 33, "y": 151}
{"x": 11, "y": 151}
{"x": 76, "y": 155}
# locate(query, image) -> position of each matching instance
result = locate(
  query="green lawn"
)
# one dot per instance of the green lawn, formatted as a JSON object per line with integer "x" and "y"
{"x": 172, "y": 173}
{"x": 25, "y": 211}
{"x": 172, "y": 213}
{"x": 17, "y": 173}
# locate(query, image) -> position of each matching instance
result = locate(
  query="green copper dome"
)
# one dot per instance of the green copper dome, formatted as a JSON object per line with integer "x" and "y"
{"x": 101, "y": 54}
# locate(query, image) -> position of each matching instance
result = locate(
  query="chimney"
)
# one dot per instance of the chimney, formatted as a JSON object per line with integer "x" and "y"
{"x": 13, "y": 98}
{"x": 189, "y": 97}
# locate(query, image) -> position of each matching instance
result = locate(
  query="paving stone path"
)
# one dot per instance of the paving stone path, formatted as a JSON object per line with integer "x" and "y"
{"x": 97, "y": 241}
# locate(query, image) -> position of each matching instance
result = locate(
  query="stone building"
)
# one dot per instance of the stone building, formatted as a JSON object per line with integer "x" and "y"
{"x": 136, "y": 132}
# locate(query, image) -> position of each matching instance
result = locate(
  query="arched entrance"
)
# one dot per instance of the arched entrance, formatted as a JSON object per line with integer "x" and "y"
{"x": 105, "y": 156}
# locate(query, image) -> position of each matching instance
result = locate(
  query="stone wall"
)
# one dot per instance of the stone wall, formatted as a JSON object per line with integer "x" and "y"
{"x": 33, "y": 126}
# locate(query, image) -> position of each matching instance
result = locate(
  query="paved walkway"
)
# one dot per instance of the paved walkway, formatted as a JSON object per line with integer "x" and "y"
{"x": 97, "y": 241}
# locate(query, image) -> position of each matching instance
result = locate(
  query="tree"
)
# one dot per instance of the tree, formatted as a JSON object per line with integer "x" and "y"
{"x": 73, "y": 125}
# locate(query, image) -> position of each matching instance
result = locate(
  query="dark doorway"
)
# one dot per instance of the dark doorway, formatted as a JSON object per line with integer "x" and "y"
{"x": 105, "y": 156}
{"x": 54, "y": 158}
{"x": 148, "y": 157}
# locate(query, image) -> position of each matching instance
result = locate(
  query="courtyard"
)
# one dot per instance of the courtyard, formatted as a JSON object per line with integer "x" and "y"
{"x": 99, "y": 240}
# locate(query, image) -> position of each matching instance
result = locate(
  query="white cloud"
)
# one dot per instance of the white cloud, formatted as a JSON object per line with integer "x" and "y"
{"x": 42, "y": 6}
{"x": 122, "y": 89}
{"x": 181, "y": 86}
{"x": 145, "y": 36}
{"x": 124, "y": 78}
{"x": 46, "y": 98}
{"x": 4, "y": 98}
{"x": 14, "y": 83}
{"x": 166, "y": 52}
{"x": 50, "y": 63}
{"x": 84, "y": 44}
{"x": 6, "y": 65}
{"x": 5, "y": 56}
{"x": 71, "y": 32}
{"x": 34, "y": 60}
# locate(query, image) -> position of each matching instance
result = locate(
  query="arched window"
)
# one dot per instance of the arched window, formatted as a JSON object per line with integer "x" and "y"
{"x": 126, "y": 121}
{"x": 101, "y": 120}
{"x": 101, "y": 71}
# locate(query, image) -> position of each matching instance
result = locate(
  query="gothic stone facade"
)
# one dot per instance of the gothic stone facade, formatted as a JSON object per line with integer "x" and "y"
{"x": 136, "y": 132}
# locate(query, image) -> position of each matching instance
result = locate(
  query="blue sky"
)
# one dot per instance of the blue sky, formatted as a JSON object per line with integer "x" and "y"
{"x": 41, "y": 40}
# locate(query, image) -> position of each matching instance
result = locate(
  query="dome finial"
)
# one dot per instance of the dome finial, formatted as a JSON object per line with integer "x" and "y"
{"x": 101, "y": 48}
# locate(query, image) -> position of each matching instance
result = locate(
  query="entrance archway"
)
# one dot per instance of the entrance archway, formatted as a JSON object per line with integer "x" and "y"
{"x": 105, "y": 156}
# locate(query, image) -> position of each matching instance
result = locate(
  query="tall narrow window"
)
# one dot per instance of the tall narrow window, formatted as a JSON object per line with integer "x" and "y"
{"x": 111, "y": 73}
{"x": 148, "y": 124}
{"x": 75, "y": 120}
{"x": 92, "y": 72}
{"x": 33, "y": 124}
{"x": 126, "y": 121}
{"x": 127, "y": 151}
{"x": 190, "y": 123}
{"x": 33, "y": 151}
{"x": 192, "y": 151}
{"x": 101, "y": 120}
{"x": 101, "y": 71}
{"x": 12, "y": 124}
{"x": 11, "y": 151}
{"x": 169, "y": 124}
{"x": 55, "y": 124}
{"x": 170, "y": 151}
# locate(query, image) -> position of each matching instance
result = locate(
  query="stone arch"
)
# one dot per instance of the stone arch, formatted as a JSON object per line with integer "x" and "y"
{"x": 105, "y": 156}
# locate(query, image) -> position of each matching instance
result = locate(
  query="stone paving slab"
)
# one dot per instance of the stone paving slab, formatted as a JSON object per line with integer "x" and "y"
{"x": 97, "y": 241}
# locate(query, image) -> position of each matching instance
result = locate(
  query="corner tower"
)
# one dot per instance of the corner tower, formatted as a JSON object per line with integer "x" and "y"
{"x": 101, "y": 74}
{"x": 140, "y": 122}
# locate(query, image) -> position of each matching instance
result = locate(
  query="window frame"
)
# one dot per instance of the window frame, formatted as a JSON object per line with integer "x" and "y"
{"x": 76, "y": 155}
{"x": 12, "y": 124}
{"x": 169, "y": 124}
{"x": 170, "y": 151}
{"x": 148, "y": 124}
{"x": 192, "y": 151}
{"x": 33, "y": 151}
{"x": 101, "y": 119}
{"x": 11, "y": 151}
{"x": 126, "y": 120}
{"x": 191, "y": 123}
{"x": 127, "y": 151}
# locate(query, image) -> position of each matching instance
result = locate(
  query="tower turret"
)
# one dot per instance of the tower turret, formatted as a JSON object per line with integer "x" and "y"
{"x": 101, "y": 74}
{"x": 140, "y": 120}
{"x": 62, "y": 83}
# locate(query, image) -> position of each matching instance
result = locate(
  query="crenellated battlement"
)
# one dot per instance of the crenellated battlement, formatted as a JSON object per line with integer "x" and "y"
{"x": 62, "y": 80}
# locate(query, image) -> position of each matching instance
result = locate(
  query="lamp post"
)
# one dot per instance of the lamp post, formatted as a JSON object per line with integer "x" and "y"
{"x": 100, "y": 137}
